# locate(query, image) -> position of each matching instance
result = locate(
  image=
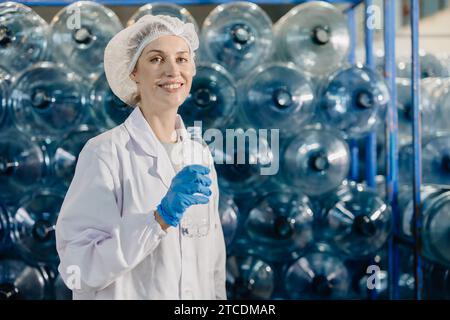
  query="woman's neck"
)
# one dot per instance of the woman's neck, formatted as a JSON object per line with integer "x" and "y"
{"x": 162, "y": 123}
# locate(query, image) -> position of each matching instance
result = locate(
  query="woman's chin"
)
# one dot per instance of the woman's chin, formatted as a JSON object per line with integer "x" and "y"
{"x": 173, "y": 101}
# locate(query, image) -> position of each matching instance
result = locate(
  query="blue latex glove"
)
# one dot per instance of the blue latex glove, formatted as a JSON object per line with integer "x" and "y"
{"x": 185, "y": 190}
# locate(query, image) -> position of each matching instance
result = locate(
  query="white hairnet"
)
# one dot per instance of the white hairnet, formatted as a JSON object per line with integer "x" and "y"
{"x": 125, "y": 48}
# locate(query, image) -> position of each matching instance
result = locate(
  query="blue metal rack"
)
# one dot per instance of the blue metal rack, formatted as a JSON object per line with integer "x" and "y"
{"x": 181, "y": 2}
{"x": 391, "y": 116}
{"x": 392, "y": 137}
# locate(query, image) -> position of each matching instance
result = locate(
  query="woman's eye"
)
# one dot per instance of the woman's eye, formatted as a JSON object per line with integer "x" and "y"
{"x": 156, "y": 59}
{"x": 182, "y": 59}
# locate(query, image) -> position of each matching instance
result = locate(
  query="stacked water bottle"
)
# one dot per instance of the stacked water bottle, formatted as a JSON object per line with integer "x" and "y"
{"x": 302, "y": 231}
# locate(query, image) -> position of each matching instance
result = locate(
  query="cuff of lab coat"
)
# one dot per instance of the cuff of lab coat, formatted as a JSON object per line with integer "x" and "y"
{"x": 160, "y": 232}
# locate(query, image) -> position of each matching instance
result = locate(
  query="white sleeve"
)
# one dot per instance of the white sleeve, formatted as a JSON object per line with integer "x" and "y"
{"x": 220, "y": 249}
{"x": 91, "y": 235}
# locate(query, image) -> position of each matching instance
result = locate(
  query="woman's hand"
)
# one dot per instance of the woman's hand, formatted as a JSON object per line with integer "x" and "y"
{"x": 189, "y": 187}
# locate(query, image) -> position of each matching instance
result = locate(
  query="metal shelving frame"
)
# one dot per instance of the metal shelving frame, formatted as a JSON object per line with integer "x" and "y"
{"x": 391, "y": 116}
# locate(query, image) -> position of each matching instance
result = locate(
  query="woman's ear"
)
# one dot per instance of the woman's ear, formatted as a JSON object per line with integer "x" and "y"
{"x": 133, "y": 76}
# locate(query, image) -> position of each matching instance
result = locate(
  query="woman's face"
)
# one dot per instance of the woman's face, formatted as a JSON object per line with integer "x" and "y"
{"x": 164, "y": 72}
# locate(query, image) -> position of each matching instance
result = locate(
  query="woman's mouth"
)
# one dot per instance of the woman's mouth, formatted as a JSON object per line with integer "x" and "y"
{"x": 171, "y": 87}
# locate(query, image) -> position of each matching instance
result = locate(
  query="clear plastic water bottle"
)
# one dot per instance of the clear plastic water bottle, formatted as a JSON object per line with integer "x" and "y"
{"x": 280, "y": 226}
{"x": 24, "y": 36}
{"x": 23, "y": 164}
{"x": 108, "y": 110}
{"x": 320, "y": 274}
{"x": 278, "y": 95}
{"x": 315, "y": 36}
{"x": 242, "y": 162}
{"x": 359, "y": 223}
{"x": 316, "y": 161}
{"x": 195, "y": 223}
{"x": 237, "y": 35}
{"x": 229, "y": 216}
{"x": 354, "y": 99}
{"x": 212, "y": 98}
{"x": 80, "y": 33}
{"x": 21, "y": 281}
{"x": 249, "y": 277}
{"x": 163, "y": 8}
{"x": 33, "y": 228}
{"x": 66, "y": 151}
{"x": 435, "y": 222}
{"x": 47, "y": 101}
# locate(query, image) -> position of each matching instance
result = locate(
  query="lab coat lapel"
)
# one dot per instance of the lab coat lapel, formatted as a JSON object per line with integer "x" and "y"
{"x": 142, "y": 133}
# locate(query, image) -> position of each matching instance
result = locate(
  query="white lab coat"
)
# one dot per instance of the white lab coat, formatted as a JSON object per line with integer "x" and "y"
{"x": 109, "y": 243}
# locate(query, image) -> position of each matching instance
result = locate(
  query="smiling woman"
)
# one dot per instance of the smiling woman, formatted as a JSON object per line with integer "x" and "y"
{"x": 120, "y": 222}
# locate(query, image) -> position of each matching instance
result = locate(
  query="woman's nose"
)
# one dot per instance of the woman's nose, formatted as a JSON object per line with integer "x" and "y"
{"x": 172, "y": 68}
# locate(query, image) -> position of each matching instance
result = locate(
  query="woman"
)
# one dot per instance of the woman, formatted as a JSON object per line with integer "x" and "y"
{"x": 118, "y": 232}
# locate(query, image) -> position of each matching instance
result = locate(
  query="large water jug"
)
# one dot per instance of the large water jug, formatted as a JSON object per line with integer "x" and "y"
{"x": 163, "y": 8}
{"x": 319, "y": 274}
{"x": 435, "y": 161}
{"x": 435, "y": 222}
{"x": 107, "y": 109}
{"x": 33, "y": 229}
{"x": 315, "y": 36}
{"x": 21, "y": 281}
{"x": 278, "y": 95}
{"x": 430, "y": 66}
{"x": 23, "y": 164}
{"x": 281, "y": 225}
{"x": 249, "y": 277}
{"x": 244, "y": 159}
{"x": 359, "y": 223}
{"x": 65, "y": 155}
{"x": 237, "y": 35}
{"x": 47, "y": 100}
{"x": 229, "y": 217}
{"x": 212, "y": 99}
{"x": 354, "y": 99}
{"x": 24, "y": 36}
{"x": 4, "y": 227}
{"x": 316, "y": 161}
{"x": 80, "y": 33}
